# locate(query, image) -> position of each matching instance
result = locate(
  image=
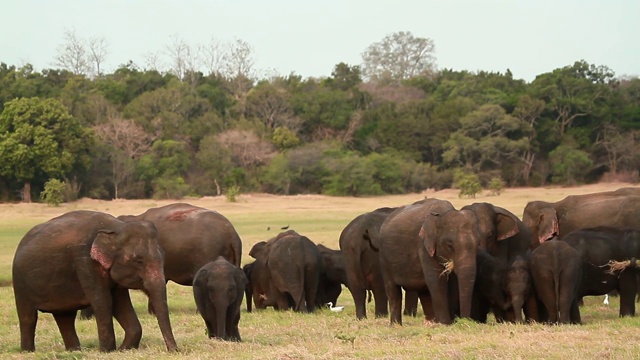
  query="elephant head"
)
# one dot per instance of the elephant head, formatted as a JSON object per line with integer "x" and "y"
{"x": 496, "y": 224}
{"x": 517, "y": 286}
{"x": 542, "y": 219}
{"x": 452, "y": 238}
{"x": 131, "y": 256}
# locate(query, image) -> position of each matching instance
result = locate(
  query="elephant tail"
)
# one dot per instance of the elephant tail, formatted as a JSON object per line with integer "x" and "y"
{"x": 301, "y": 298}
{"x": 556, "y": 284}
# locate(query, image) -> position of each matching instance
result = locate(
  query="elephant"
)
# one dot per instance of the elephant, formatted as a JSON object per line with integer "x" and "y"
{"x": 333, "y": 276}
{"x": 218, "y": 288}
{"x": 259, "y": 285}
{"x": 294, "y": 267}
{"x": 502, "y": 288}
{"x": 504, "y": 235}
{"x": 556, "y": 269}
{"x": 84, "y": 258}
{"x": 402, "y": 259}
{"x": 518, "y": 286}
{"x": 190, "y": 236}
{"x": 575, "y": 212}
{"x": 362, "y": 263}
{"x": 598, "y": 247}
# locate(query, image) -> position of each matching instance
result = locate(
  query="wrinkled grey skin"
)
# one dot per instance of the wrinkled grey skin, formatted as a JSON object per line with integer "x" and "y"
{"x": 87, "y": 258}
{"x": 362, "y": 264}
{"x": 402, "y": 260}
{"x": 575, "y": 212}
{"x": 333, "y": 276}
{"x": 294, "y": 267}
{"x": 556, "y": 269}
{"x": 488, "y": 292}
{"x": 217, "y": 289}
{"x": 597, "y": 246}
{"x": 190, "y": 236}
{"x": 518, "y": 287}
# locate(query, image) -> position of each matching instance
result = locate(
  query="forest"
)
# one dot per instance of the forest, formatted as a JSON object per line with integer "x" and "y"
{"x": 201, "y": 120}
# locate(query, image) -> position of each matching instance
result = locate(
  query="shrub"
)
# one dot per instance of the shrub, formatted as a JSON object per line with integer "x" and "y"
{"x": 232, "y": 193}
{"x": 53, "y": 193}
{"x": 496, "y": 185}
{"x": 468, "y": 183}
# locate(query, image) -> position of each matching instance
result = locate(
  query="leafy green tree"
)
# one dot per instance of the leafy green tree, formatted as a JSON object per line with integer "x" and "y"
{"x": 488, "y": 137}
{"x": 165, "y": 168}
{"x": 53, "y": 193}
{"x": 215, "y": 161}
{"x": 468, "y": 183}
{"x": 569, "y": 164}
{"x": 573, "y": 92}
{"x": 283, "y": 138}
{"x": 39, "y": 139}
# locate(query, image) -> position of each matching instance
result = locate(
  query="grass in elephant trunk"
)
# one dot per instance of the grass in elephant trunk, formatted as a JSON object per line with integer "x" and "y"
{"x": 323, "y": 335}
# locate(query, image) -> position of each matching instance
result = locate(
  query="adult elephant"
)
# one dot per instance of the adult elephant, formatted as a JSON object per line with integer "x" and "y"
{"x": 87, "y": 258}
{"x": 294, "y": 267}
{"x": 549, "y": 219}
{"x": 600, "y": 246}
{"x": 191, "y": 237}
{"x": 403, "y": 256}
{"x": 362, "y": 263}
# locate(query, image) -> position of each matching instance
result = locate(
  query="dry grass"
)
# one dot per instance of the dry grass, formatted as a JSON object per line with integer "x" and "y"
{"x": 323, "y": 335}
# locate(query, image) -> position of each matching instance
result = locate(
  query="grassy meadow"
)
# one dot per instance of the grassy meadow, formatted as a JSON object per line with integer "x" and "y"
{"x": 322, "y": 335}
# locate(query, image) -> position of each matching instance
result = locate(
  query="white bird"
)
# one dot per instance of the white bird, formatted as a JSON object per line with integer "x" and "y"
{"x": 606, "y": 299}
{"x": 334, "y": 308}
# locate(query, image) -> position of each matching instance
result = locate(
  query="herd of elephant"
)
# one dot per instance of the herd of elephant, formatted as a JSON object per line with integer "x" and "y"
{"x": 468, "y": 263}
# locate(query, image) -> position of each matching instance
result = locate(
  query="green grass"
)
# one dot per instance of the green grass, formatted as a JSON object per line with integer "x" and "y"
{"x": 322, "y": 335}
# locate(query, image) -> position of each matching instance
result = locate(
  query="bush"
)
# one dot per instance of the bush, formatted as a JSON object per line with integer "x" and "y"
{"x": 496, "y": 185}
{"x": 170, "y": 187}
{"x": 468, "y": 183}
{"x": 232, "y": 193}
{"x": 53, "y": 193}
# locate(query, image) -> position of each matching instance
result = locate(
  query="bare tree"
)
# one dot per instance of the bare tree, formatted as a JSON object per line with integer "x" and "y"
{"x": 72, "y": 54}
{"x": 399, "y": 56}
{"x": 213, "y": 55}
{"x": 620, "y": 147}
{"x": 239, "y": 68}
{"x": 98, "y": 48}
{"x": 126, "y": 142}
{"x": 247, "y": 149}
{"x": 528, "y": 110}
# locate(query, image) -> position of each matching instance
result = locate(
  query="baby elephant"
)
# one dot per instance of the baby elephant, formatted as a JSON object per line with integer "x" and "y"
{"x": 556, "y": 269}
{"x": 218, "y": 288}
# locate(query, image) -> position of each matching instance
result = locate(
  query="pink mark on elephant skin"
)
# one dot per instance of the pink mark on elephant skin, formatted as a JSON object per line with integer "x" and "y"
{"x": 180, "y": 215}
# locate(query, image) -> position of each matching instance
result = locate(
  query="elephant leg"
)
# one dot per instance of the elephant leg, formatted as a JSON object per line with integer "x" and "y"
{"x": 28, "y": 318}
{"x": 410, "y": 303}
{"x": 439, "y": 288}
{"x": 530, "y": 309}
{"x": 359, "y": 295}
{"x": 394, "y": 292}
{"x": 427, "y": 306}
{"x": 126, "y": 316}
{"x": 575, "y": 313}
{"x": 66, "y": 325}
{"x": 628, "y": 288}
{"x": 380, "y": 298}
{"x": 233, "y": 319}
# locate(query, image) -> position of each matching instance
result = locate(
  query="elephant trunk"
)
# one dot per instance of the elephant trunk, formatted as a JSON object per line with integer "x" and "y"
{"x": 465, "y": 270}
{"x": 157, "y": 292}
{"x": 221, "y": 320}
{"x": 518, "y": 303}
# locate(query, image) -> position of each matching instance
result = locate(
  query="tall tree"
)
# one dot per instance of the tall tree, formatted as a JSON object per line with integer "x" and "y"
{"x": 73, "y": 55}
{"x": 39, "y": 139}
{"x": 125, "y": 142}
{"x": 98, "y": 48}
{"x": 399, "y": 56}
{"x": 573, "y": 92}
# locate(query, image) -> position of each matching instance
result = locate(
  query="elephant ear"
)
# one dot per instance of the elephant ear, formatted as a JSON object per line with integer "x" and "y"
{"x": 506, "y": 224}
{"x": 259, "y": 250}
{"x": 104, "y": 248}
{"x": 548, "y": 224}
{"x": 428, "y": 233}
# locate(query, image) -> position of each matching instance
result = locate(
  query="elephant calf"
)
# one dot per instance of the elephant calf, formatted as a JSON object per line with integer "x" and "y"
{"x": 556, "y": 269}
{"x": 218, "y": 288}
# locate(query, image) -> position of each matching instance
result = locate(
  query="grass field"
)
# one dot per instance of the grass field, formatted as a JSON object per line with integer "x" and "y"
{"x": 322, "y": 335}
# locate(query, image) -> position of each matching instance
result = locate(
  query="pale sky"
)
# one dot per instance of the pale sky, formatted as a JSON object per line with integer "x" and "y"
{"x": 310, "y": 37}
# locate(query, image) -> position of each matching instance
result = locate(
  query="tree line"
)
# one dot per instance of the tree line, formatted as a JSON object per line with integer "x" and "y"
{"x": 207, "y": 124}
